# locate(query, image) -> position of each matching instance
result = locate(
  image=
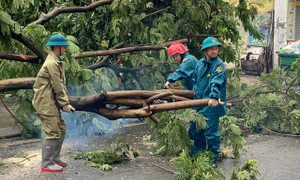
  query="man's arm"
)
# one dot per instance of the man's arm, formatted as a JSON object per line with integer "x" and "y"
{"x": 217, "y": 79}
{"x": 57, "y": 84}
{"x": 183, "y": 71}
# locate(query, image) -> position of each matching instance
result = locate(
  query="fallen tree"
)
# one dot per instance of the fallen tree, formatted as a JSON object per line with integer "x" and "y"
{"x": 122, "y": 104}
{"x": 136, "y": 104}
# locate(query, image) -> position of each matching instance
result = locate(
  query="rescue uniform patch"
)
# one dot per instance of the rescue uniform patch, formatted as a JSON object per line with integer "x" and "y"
{"x": 48, "y": 148}
{"x": 219, "y": 69}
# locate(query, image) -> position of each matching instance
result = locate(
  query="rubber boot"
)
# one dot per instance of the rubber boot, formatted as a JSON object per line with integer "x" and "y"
{"x": 56, "y": 158}
{"x": 48, "y": 150}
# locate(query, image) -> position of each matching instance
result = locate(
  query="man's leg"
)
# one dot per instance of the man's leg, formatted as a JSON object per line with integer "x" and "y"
{"x": 56, "y": 158}
{"x": 198, "y": 137}
{"x": 212, "y": 135}
{"x": 50, "y": 125}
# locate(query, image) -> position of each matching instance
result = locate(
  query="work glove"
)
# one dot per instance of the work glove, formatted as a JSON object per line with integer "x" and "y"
{"x": 68, "y": 108}
{"x": 213, "y": 102}
{"x": 168, "y": 85}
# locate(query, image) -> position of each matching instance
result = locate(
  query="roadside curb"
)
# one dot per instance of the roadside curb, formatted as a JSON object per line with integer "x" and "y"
{"x": 10, "y": 132}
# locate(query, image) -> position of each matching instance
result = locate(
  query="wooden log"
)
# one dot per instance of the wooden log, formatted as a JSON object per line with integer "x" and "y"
{"x": 128, "y": 102}
{"x": 88, "y": 103}
{"x": 146, "y": 94}
{"x": 158, "y": 96}
{"x": 175, "y": 98}
{"x": 136, "y": 101}
{"x": 154, "y": 118}
{"x": 16, "y": 84}
{"x": 27, "y": 83}
{"x": 114, "y": 114}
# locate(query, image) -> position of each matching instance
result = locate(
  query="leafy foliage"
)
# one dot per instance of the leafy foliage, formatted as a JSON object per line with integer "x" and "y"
{"x": 171, "y": 132}
{"x": 231, "y": 134}
{"x": 200, "y": 168}
{"x": 103, "y": 159}
{"x": 247, "y": 172}
{"x": 132, "y": 22}
{"x": 1, "y": 162}
{"x": 172, "y": 137}
{"x": 270, "y": 103}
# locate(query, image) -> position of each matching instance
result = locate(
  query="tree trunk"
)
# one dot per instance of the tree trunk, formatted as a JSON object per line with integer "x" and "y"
{"x": 122, "y": 104}
{"x": 16, "y": 84}
{"x": 150, "y": 110}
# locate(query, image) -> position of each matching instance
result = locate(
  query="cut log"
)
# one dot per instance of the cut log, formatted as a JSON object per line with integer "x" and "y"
{"x": 135, "y": 103}
{"x": 114, "y": 114}
{"x": 126, "y": 104}
{"x": 88, "y": 103}
{"x": 146, "y": 94}
{"x": 158, "y": 96}
{"x": 16, "y": 84}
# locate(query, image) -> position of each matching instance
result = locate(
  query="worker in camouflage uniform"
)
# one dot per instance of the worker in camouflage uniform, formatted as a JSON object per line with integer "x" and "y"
{"x": 209, "y": 82}
{"x": 187, "y": 64}
{"x": 50, "y": 97}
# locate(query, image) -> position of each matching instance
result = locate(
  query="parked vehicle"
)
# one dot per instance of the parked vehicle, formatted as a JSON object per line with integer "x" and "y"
{"x": 253, "y": 60}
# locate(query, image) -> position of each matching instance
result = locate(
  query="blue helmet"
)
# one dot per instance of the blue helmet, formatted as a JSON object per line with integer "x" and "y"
{"x": 210, "y": 42}
{"x": 57, "y": 40}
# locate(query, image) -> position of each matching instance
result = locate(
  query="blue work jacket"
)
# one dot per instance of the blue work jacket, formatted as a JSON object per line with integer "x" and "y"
{"x": 210, "y": 82}
{"x": 185, "y": 71}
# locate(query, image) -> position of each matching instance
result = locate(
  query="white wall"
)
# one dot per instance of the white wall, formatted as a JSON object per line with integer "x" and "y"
{"x": 280, "y": 19}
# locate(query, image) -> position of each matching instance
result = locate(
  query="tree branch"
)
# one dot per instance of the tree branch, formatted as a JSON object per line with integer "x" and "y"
{"x": 98, "y": 65}
{"x": 158, "y": 96}
{"x": 112, "y": 51}
{"x": 128, "y": 49}
{"x": 16, "y": 84}
{"x": 156, "y": 12}
{"x": 95, "y": 66}
{"x": 19, "y": 57}
{"x": 113, "y": 114}
{"x": 136, "y": 48}
{"x": 56, "y": 11}
{"x": 136, "y": 77}
{"x": 116, "y": 69}
{"x": 28, "y": 43}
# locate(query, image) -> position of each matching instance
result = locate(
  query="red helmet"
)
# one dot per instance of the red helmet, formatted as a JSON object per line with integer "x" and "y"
{"x": 175, "y": 48}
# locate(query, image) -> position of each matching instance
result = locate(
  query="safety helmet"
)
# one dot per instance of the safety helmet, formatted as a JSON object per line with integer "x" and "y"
{"x": 210, "y": 42}
{"x": 175, "y": 48}
{"x": 57, "y": 40}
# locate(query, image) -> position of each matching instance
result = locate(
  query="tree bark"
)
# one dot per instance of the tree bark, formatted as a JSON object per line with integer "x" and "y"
{"x": 132, "y": 104}
{"x": 122, "y": 104}
{"x": 107, "y": 53}
{"x": 127, "y": 49}
{"x": 19, "y": 57}
{"x": 16, "y": 84}
{"x": 103, "y": 61}
{"x": 148, "y": 111}
{"x": 56, "y": 11}
{"x": 29, "y": 44}
{"x": 27, "y": 83}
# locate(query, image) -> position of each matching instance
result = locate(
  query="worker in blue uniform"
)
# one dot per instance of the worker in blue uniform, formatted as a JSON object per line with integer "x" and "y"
{"x": 209, "y": 83}
{"x": 187, "y": 64}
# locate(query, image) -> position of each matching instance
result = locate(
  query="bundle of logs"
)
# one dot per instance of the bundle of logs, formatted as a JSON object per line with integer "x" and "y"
{"x": 123, "y": 104}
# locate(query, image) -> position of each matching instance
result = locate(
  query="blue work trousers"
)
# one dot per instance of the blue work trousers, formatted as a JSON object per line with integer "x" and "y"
{"x": 206, "y": 139}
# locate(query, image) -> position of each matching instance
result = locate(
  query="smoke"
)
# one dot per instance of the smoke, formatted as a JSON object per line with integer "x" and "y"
{"x": 81, "y": 123}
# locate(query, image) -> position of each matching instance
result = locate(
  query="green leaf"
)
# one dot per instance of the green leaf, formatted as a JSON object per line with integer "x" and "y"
{"x": 106, "y": 167}
{"x": 149, "y": 5}
{"x": 292, "y": 102}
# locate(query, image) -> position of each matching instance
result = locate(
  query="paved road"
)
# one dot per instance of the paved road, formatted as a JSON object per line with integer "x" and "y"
{"x": 278, "y": 159}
